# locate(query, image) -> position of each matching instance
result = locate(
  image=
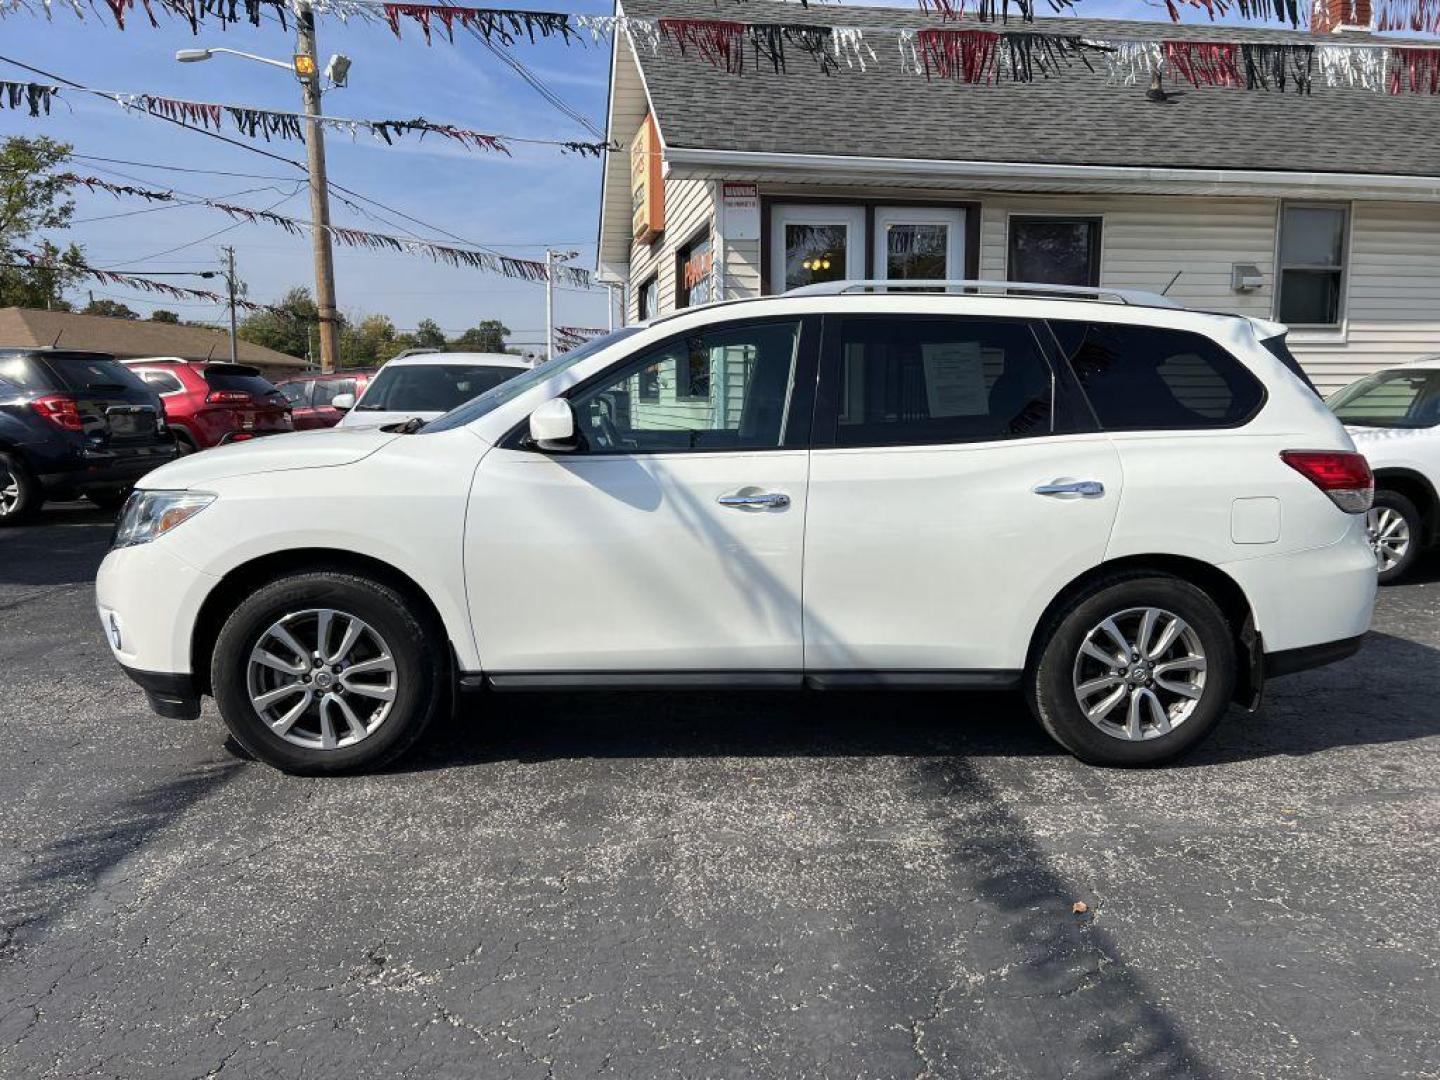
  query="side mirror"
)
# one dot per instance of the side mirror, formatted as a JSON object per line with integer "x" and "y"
{"x": 552, "y": 426}
{"x": 343, "y": 402}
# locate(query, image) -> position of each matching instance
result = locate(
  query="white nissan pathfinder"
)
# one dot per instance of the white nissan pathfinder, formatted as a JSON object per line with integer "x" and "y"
{"x": 1132, "y": 513}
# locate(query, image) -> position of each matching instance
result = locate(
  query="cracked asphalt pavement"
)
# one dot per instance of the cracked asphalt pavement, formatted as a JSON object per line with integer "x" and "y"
{"x": 699, "y": 885}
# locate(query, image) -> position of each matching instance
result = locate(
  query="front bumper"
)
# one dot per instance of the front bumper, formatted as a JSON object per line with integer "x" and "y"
{"x": 149, "y": 600}
{"x": 171, "y": 696}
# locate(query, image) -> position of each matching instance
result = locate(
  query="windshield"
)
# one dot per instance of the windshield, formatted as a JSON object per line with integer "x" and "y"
{"x": 1394, "y": 399}
{"x": 491, "y": 400}
{"x": 431, "y": 387}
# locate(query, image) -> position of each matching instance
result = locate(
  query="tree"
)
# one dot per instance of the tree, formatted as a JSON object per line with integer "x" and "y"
{"x": 371, "y": 340}
{"x": 113, "y": 308}
{"x": 33, "y": 199}
{"x": 289, "y": 330}
{"x": 488, "y": 336}
{"x": 428, "y": 335}
{"x": 161, "y": 315}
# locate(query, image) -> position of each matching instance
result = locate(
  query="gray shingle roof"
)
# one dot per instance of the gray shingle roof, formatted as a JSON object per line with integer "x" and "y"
{"x": 1076, "y": 118}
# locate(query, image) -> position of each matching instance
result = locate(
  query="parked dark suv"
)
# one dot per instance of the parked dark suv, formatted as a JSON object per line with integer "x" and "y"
{"x": 74, "y": 423}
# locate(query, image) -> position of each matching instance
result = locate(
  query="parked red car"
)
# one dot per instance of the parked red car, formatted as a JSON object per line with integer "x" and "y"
{"x": 210, "y": 404}
{"x": 310, "y": 396}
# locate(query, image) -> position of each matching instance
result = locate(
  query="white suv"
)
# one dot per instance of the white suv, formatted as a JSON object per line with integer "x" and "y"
{"x": 1394, "y": 417}
{"x": 1132, "y": 513}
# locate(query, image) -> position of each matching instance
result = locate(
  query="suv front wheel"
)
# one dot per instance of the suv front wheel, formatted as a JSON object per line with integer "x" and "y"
{"x": 327, "y": 672}
{"x": 1135, "y": 671}
{"x": 1394, "y": 525}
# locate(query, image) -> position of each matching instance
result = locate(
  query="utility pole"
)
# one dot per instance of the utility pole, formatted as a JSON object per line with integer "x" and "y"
{"x": 309, "y": 74}
{"x": 230, "y": 282}
{"x": 552, "y": 260}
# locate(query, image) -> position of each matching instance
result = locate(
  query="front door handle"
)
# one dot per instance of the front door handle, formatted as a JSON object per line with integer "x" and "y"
{"x": 1090, "y": 489}
{"x": 772, "y": 500}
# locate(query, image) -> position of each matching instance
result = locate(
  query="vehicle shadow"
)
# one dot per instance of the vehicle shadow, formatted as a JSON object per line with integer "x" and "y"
{"x": 1303, "y": 714}
{"x": 64, "y": 545}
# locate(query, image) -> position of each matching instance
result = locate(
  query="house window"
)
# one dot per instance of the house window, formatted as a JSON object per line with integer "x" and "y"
{"x": 1312, "y": 264}
{"x": 648, "y": 299}
{"x": 692, "y": 273}
{"x": 1055, "y": 250}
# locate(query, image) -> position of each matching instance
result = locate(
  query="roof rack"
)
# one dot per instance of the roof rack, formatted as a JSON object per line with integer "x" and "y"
{"x": 1040, "y": 290}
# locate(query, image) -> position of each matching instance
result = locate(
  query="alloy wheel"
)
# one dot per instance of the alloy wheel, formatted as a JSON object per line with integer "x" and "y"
{"x": 322, "y": 679}
{"x": 1140, "y": 673}
{"x": 1389, "y": 536}
{"x": 9, "y": 490}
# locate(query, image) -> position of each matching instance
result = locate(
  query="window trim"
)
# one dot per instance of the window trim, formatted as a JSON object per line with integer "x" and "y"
{"x": 1070, "y": 413}
{"x": 799, "y": 414}
{"x": 1096, "y": 223}
{"x": 1261, "y": 402}
{"x": 1328, "y": 331}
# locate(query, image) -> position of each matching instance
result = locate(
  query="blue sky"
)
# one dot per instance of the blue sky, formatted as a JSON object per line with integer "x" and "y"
{"x": 518, "y": 205}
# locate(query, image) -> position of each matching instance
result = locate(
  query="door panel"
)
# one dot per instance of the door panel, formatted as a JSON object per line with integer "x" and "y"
{"x": 943, "y": 557}
{"x": 616, "y": 564}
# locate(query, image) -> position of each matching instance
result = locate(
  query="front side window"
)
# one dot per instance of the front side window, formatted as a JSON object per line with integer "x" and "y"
{"x": 746, "y": 373}
{"x": 327, "y": 390}
{"x": 1055, "y": 250}
{"x": 297, "y": 393}
{"x": 1398, "y": 399}
{"x": 925, "y": 380}
{"x": 1150, "y": 378}
{"x": 431, "y": 387}
{"x": 1312, "y": 264}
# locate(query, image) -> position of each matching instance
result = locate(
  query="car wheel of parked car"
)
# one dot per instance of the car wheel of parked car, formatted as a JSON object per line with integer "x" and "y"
{"x": 1394, "y": 524}
{"x": 109, "y": 500}
{"x": 1137, "y": 670}
{"x": 327, "y": 672}
{"x": 20, "y": 494}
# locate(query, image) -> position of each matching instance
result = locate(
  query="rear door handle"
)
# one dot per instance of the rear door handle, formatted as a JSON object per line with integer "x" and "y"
{"x": 1090, "y": 489}
{"x": 775, "y": 500}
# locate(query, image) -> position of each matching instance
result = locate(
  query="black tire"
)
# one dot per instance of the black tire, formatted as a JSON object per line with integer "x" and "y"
{"x": 419, "y": 653}
{"x": 184, "y": 445}
{"x": 1414, "y": 524}
{"x": 111, "y": 499}
{"x": 1051, "y": 685}
{"x": 20, "y": 493}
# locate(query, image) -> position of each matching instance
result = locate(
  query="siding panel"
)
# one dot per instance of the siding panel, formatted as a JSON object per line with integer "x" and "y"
{"x": 689, "y": 208}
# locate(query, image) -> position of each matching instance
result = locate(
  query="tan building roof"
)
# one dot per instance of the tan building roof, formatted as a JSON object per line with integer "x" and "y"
{"x": 131, "y": 338}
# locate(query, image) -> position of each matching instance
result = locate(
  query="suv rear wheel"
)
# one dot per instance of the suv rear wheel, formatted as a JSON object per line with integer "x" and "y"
{"x": 1394, "y": 525}
{"x": 327, "y": 672}
{"x": 20, "y": 494}
{"x": 1136, "y": 671}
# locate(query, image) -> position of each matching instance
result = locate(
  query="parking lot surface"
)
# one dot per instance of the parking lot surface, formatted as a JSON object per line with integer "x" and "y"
{"x": 675, "y": 885}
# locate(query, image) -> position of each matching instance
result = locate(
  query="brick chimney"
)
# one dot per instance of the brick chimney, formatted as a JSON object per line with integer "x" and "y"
{"x": 1334, "y": 16}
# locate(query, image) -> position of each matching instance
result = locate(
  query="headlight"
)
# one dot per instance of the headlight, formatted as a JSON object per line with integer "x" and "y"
{"x": 148, "y": 514}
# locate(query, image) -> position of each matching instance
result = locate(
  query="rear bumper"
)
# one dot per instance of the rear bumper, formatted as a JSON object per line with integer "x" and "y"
{"x": 87, "y": 470}
{"x": 1289, "y": 661}
{"x": 171, "y": 696}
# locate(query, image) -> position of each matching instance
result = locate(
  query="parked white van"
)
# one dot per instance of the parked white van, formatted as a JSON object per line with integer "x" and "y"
{"x": 1131, "y": 513}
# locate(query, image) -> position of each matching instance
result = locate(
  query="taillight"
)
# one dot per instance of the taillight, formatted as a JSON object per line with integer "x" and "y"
{"x": 227, "y": 397}
{"x": 59, "y": 410}
{"x": 1342, "y": 474}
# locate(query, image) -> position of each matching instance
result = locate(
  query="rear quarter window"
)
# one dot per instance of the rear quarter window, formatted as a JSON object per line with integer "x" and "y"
{"x": 23, "y": 373}
{"x": 1140, "y": 378}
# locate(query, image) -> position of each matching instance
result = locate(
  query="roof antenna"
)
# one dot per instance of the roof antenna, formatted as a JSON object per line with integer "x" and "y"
{"x": 1166, "y": 290}
{"x": 58, "y": 335}
{"x": 211, "y": 354}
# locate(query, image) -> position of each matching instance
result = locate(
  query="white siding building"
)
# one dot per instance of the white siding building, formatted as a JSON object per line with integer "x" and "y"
{"x": 1320, "y": 210}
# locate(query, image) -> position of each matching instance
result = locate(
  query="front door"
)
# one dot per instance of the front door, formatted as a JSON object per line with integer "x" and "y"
{"x": 954, "y": 490}
{"x": 811, "y": 244}
{"x": 670, "y": 542}
{"x": 919, "y": 243}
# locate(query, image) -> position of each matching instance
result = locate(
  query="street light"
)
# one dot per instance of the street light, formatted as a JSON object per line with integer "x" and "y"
{"x": 304, "y": 67}
{"x": 552, "y": 259}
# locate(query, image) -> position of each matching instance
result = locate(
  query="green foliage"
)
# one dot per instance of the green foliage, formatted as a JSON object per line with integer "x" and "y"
{"x": 32, "y": 200}
{"x": 112, "y": 308}
{"x": 428, "y": 335}
{"x": 161, "y": 315}
{"x": 290, "y": 331}
{"x": 487, "y": 336}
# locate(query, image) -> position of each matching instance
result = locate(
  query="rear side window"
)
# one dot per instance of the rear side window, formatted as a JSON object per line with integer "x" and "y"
{"x": 926, "y": 381}
{"x": 92, "y": 373}
{"x": 1281, "y": 351}
{"x": 24, "y": 374}
{"x": 249, "y": 381}
{"x": 297, "y": 393}
{"x": 162, "y": 382}
{"x": 1142, "y": 378}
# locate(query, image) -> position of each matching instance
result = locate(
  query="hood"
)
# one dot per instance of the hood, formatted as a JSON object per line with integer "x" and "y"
{"x": 318, "y": 449}
{"x": 356, "y": 420}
